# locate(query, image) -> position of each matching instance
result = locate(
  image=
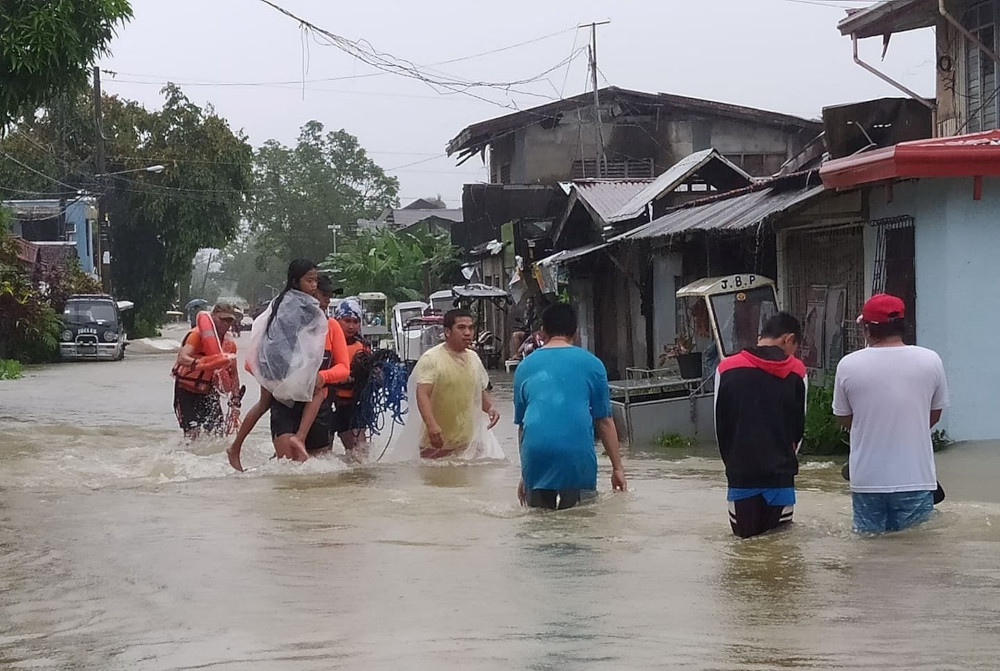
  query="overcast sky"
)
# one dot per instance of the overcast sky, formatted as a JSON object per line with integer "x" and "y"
{"x": 781, "y": 55}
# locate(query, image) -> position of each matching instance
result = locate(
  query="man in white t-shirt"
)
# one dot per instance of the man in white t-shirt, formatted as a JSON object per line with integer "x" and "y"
{"x": 890, "y": 395}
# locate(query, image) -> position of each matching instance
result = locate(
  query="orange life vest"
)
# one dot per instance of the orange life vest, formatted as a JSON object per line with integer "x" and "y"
{"x": 345, "y": 392}
{"x": 215, "y": 359}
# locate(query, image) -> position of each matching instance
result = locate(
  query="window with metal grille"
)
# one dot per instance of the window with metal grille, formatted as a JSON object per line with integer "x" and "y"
{"x": 894, "y": 271}
{"x": 980, "y": 70}
{"x": 827, "y": 264}
{"x": 627, "y": 168}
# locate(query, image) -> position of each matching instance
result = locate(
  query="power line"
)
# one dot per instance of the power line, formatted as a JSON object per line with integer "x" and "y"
{"x": 37, "y": 172}
{"x": 365, "y": 52}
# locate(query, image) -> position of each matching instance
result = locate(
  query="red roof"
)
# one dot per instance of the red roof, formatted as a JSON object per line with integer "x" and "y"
{"x": 972, "y": 155}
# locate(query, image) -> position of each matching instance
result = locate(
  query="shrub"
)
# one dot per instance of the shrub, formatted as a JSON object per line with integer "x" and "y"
{"x": 10, "y": 369}
{"x": 674, "y": 440}
{"x": 823, "y": 434}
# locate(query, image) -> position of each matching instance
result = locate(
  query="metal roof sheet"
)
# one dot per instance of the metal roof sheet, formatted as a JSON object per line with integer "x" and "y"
{"x": 403, "y": 218}
{"x": 889, "y": 16}
{"x": 732, "y": 214}
{"x": 605, "y": 197}
{"x": 568, "y": 255}
{"x": 676, "y": 175}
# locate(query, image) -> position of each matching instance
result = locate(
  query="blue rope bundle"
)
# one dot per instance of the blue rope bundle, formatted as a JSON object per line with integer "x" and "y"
{"x": 381, "y": 390}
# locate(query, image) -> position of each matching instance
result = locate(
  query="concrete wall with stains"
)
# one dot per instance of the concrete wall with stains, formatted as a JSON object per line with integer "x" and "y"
{"x": 956, "y": 242}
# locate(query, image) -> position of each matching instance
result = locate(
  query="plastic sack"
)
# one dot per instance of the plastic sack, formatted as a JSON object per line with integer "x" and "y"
{"x": 406, "y": 442}
{"x": 286, "y": 357}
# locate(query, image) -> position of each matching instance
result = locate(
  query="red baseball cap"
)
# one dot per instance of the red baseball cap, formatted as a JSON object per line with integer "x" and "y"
{"x": 882, "y": 309}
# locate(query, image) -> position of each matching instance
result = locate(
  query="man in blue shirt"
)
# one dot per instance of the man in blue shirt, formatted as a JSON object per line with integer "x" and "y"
{"x": 560, "y": 392}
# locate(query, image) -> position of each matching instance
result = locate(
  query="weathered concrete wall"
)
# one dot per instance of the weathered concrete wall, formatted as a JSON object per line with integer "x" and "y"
{"x": 956, "y": 239}
{"x": 538, "y": 155}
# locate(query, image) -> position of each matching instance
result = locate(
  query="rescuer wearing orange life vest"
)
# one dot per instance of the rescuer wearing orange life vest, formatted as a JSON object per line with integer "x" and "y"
{"x": 348, "y": 315}
{"x": 206, "y": 365}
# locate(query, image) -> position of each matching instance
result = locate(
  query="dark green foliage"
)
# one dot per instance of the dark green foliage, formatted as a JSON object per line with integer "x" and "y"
{"x": 393, "y": 263}
{"x": 157, "y": 222}
{"x": 46, "y": 47}
{"x": 823, "y": 434}
{"x": 10, "y": 369}
{"x": 674, "y": 440}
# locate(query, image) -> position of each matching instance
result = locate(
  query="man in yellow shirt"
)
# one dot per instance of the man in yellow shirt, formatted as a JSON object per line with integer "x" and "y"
{"x": 452, "y": 389}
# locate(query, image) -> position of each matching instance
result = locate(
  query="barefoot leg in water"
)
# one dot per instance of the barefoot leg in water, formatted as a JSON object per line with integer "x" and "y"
{"x": 298, "y": 441}
{"x": 285, "y": 448}
{"x": 253, "y": 416}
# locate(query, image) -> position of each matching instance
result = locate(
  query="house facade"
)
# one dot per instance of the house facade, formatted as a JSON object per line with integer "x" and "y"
{"x": 66, "y": 228}
{"x": 569, "y": 175}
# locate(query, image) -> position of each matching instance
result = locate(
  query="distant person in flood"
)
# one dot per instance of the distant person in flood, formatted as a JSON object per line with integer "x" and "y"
{"x": 344, "y": 395}
{"x": 452, "y": 392}
{"x": 890, "y": 395}
{"x": 560, "y": 393}
{"x": 197, "y": 377}
{"x": 760, "y": 406}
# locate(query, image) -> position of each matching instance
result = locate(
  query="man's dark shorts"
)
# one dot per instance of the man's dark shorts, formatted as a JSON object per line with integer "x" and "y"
{"x": 753, "y": 516}
{"x": 343, "y": 415}
{"x": 198, "y": 411}
{"x": 560, "y": 499}
{"x": 285, "y": 420}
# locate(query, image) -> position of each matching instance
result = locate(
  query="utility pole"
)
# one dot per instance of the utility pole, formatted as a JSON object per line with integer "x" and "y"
{"x": 601, "y": 159}
{"x": 103, "y": 245}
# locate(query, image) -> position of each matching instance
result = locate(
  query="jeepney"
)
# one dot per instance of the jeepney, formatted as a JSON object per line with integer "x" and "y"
{"x": 721, "y": 316}
{"x": 92, "y": 328}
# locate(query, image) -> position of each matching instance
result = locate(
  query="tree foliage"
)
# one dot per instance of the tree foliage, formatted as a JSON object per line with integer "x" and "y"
{"x": 402, "y": 265}
{"x": 46, "y": 47}
{"x": 326, "y": 179}
{"x": 157, "y": 223}
{"x": 29, "y": 326}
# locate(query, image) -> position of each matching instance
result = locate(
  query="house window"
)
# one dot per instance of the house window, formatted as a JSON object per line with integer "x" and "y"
{"x": 895, "y": 270}
{"x": 980, "y": 70}
{"x": 626, "y": 168}
{"x": 503, "y": 176}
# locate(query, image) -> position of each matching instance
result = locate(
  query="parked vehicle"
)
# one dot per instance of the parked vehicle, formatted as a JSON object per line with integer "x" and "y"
{"x": 92, "y": 328}
{"x": 722, "y": 316}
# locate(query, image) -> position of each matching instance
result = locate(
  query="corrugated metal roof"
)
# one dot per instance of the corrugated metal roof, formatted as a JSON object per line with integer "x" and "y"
{"x": 568, "y": 255}
{"x": 733, "y": 214}
{"x": 605, "y": 197}
{"x": 889, "y": 16}
{"x": 670, "y": 180}
{"x": 404, "y": 218}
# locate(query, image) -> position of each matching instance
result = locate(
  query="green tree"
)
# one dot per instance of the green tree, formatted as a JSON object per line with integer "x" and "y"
{"x": 326, "y": 179}
{"x": 46, "y": 47}
{"x": 399, "y": 264}
{"x": 157, "y": 223}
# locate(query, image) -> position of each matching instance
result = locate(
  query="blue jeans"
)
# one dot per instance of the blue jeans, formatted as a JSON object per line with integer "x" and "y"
{"x": 878, "y": 512}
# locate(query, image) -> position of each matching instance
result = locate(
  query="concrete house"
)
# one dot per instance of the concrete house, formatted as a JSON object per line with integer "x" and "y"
{"x": 585, "y": 174}
{"x": 928, "y": 207}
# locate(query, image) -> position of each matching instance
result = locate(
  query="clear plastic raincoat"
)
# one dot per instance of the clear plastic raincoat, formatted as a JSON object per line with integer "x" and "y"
{"x": 286, "y": 357}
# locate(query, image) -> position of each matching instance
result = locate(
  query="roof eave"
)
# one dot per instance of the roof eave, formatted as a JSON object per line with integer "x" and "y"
{"x": 893, "y": 16}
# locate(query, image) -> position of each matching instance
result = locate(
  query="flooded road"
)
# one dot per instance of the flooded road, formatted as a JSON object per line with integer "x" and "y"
{"x": 123, "y": 548}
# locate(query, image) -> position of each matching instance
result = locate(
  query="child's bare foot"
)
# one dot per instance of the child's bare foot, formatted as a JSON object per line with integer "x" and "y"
{"x": 233, "y": 453}
{"x": 298, "y": 449}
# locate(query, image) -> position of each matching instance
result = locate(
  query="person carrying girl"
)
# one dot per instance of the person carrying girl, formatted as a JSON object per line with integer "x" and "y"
{"x": 287, "y": 344}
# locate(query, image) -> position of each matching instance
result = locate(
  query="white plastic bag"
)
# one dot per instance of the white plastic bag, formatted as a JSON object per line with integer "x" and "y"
{"x": 286, "y": 357}
{"x": 405, "y": 444}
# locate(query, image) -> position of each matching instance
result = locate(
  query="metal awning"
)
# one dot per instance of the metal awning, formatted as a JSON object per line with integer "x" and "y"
{"x": 568, "y": 255}
{"x": 976, "y": 154}
{"x": 725, "y": 214}
{"x": 891, "y": 16}
{"x": 479, "y": 291}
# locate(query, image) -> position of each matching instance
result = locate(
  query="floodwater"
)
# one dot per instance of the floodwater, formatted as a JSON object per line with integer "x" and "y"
{"x": 123, "y": 548}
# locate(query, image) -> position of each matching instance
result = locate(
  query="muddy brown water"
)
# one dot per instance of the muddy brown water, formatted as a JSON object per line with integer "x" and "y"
{"x": 123, "y": 548}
